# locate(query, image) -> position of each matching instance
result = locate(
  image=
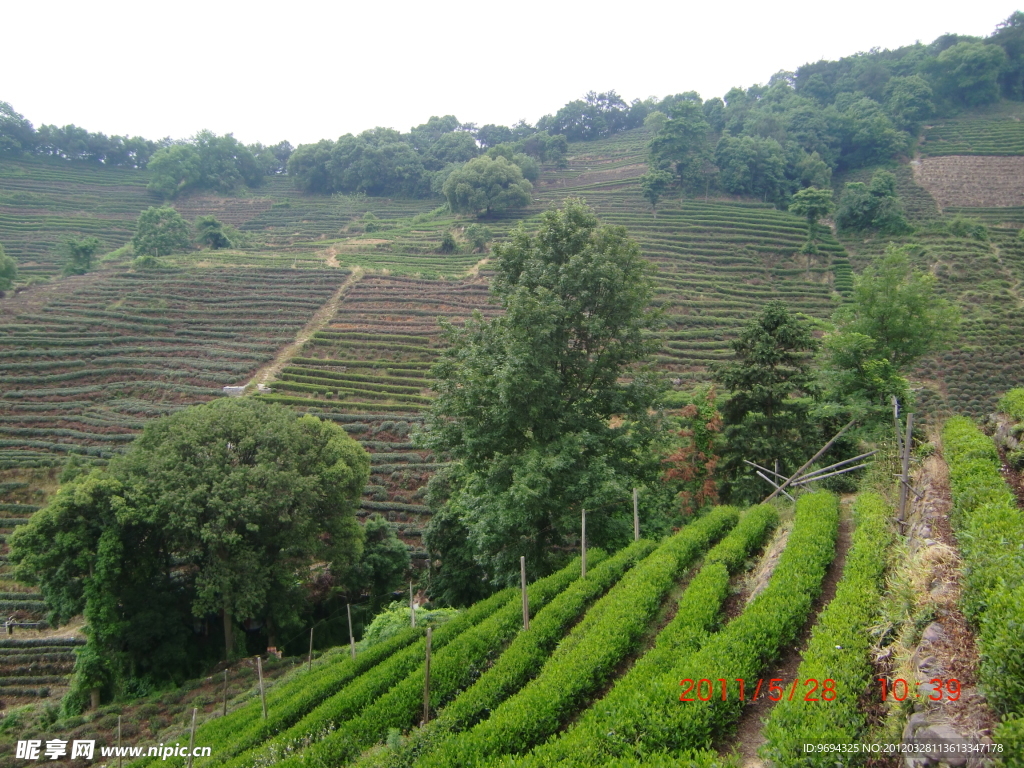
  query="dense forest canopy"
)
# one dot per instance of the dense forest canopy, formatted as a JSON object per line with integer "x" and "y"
{"x": 765, "y": 140}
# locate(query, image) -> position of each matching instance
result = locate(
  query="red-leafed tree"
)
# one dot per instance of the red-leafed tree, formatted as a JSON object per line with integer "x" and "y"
{"x": 692, "y": 464}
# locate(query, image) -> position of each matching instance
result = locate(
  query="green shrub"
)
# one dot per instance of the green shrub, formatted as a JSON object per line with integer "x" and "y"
{"x": 391, "y": 689}
{"x": 587, "y": 657}
{"x": 839, "y": 650}
{"x": 991, "y": 532}
{"x": 698, "y": 613}
{"x": 655, "y": 720}
{"x": 1012, "y": 403}
{"x": 395, "y": 619}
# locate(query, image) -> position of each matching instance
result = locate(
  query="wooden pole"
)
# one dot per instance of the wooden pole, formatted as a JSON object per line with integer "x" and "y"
{"x": 775, "y": 485}
{"x": 636, "y": 516}
{"x": 263, "y": 692}
{"x": 896, "y": 423}
{"x": 412, "y": 608}
{"x": 192, "y": 736}
{"x": 119, "y": 741}
{"x": 225, "y": 710}
{"x": 351, "y": 637}
{"x": 814, "y": 458}
{"x": 526, "y": 600}
{"x": 804, "y": 480}
{"x": 426, "y": 681}
{"x": 309, "y": 667}
{"x": 905, "y": 473}
{"x": 583, "y": 544}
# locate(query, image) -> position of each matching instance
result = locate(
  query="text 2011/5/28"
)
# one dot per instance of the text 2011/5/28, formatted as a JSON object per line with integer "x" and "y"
{"x": 776, "y": 689}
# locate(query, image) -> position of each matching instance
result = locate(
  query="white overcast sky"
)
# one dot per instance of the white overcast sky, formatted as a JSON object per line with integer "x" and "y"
{"x": 303, "y": 70}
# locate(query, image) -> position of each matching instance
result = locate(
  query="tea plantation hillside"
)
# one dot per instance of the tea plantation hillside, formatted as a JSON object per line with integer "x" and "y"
{"x": 88, "y": 359}
{"x": 615, "y": 643}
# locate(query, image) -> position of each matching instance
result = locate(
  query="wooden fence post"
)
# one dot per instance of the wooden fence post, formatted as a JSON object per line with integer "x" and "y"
{"x": 263, "y": 692}
{"x": 192, "y": 736}
{"x": 905, "y": 469}
{"x": 426, "y": 681}
{"x": 351, "y": 637}
{"x": 526, "y": 600}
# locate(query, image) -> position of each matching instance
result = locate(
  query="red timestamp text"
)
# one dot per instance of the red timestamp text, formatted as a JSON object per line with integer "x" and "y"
{"x": 940, "y": 688}
{"x": 775, "y": 688}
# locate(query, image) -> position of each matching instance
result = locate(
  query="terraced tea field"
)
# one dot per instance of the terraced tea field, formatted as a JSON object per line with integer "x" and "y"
{"x": 995, "y": 130}
{"x": 367, "y": 369}
{"x": 82, "y": 372}
{"x": 718, "y": 261}
{"x": 42, "y": 201}
{"x": 983, "y": 278}
{"x": 595, "y": 678}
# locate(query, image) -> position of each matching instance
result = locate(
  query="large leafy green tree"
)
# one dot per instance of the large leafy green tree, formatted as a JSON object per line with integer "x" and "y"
{"x": 682, "y": 144}
{"x": 751, "y": 166}
{"x": 219, "y": 509}
{"x": 541, "y": 409}
{"x": 767, "y": 413}
{"x": 967, "y": 74}
{"x": 160, "y": 232}
{"x": 873, "y": 206}
{"x": 895, "y": 318}
{"x": 487, "y": 184}
{"x": 813, "y": 204}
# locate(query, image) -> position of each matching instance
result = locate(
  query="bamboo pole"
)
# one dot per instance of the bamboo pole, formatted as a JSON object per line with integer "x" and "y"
{"x": 905, "y": 469}
{"x": 777, "y": 487}
{"x": 225, "y": 710}
{"x": 412, "y": 608}
{"x": 309, "y": 668}
{"x": 811, "y": 460}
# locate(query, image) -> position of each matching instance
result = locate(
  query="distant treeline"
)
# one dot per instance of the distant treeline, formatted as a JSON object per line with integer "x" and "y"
{"x": 770, "y": 140}
{"x": 827, "y": 115}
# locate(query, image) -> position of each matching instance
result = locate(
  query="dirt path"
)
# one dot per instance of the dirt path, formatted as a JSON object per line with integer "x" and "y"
{"x": 748, "y": 738}
{"x": 474, "y": 271}
{"x": 319, "y": 320}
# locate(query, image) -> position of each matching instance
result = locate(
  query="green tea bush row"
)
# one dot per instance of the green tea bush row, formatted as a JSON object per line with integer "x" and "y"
{"x": 698, "y": 614}
{"x": 839, "y": 649}
{"x": 587, "y": 657}
{"x": 521, "y": 660}
{"x": 235, "y": 741}
{"x": 331, "y": 381}
{"x": 293, "y": 698}
{"x": 658, "y": 720}
{"x": 369, "y": 689}
{"x": 991, "y": 533}
{"x": 452, "y": 669}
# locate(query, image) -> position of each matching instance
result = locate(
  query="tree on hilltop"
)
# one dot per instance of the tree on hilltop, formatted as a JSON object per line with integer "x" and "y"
{"x": 487, "y": 184}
